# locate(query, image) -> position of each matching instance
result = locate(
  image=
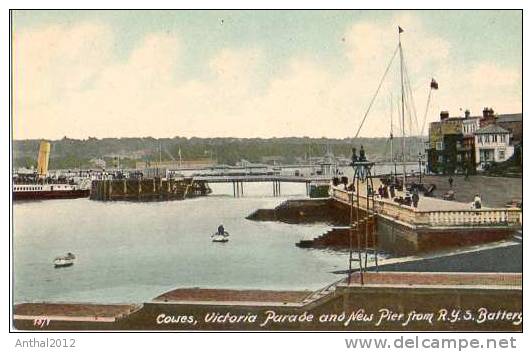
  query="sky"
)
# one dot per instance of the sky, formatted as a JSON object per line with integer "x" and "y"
{"x": 264, "y": 74}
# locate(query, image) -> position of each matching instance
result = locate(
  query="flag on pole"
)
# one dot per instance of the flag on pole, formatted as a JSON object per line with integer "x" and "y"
{"x": 433, "y": 84}
{"x": 400, "y": 29}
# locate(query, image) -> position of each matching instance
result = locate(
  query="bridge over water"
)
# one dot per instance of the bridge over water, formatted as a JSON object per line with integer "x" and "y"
{"x": 239, "y": 180}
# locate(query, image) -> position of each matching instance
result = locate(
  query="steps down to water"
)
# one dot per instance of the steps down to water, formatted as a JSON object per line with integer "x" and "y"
{"x": 321, "y": 293}
{"x": 338, "y": 237}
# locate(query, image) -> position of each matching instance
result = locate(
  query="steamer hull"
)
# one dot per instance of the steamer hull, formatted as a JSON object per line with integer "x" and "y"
{"x": 59, "y": 194}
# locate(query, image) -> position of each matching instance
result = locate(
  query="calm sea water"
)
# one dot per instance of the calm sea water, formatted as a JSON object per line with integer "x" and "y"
{"x": 131, "y": 252}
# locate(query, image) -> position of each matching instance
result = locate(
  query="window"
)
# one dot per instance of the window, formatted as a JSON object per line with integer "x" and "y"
{"x": 501, "y": 154}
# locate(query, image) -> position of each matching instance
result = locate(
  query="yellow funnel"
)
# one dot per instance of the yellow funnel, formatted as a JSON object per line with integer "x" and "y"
{"x": 44, "y": 156}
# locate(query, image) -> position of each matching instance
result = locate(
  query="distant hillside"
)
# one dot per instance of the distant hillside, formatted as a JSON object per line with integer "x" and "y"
{"x": 71, "y": 153}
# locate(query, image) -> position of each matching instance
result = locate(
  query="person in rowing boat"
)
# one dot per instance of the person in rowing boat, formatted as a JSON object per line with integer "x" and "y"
{"x": 221, "y": 231}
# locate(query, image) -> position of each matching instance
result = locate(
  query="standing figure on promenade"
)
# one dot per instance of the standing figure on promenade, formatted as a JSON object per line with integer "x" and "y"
{"x": 362, "y": 154}
{"x": 415, "y": 198}
{"x": 477, "y": 202}
{"x": 354, "y": 157}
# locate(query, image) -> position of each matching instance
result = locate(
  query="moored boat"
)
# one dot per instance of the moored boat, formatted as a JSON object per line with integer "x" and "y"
{"x": 36, "y": 191}
{"x": 64, "y": 261}
{"x": 39, "y": 184}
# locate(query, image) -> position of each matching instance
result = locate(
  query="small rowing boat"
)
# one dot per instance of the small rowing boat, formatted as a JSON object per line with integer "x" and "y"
{"x": 218, "y": 237}
{"x": 64, "y": 261}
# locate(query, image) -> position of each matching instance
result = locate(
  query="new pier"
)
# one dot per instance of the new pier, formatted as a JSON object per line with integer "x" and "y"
{"x": 434, "y": 223}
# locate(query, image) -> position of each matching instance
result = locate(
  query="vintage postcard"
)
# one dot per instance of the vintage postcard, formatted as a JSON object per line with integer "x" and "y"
{"x": 267, "y": 170}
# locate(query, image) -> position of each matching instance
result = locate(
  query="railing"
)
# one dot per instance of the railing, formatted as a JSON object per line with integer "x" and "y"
{"x": 259, "y": 178}
{"x": 511, "y": 216}
{"x": 414, "y": 217}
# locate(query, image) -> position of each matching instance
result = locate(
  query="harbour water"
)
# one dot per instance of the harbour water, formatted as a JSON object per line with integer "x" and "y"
{"x": 131, "y": 252}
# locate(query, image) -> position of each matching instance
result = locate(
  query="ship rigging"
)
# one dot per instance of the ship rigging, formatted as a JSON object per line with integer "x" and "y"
{"x": 406, "y": 109}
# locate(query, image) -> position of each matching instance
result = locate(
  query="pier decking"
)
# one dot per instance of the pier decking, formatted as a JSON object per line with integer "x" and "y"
{"x": 433, "y": 212}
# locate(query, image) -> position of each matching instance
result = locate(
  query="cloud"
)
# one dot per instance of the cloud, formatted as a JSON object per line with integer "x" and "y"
{"x": 57, "y": 59}
{"x": 69, "y": 81}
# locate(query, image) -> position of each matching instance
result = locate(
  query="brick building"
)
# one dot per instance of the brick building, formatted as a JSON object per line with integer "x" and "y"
{"x": 457, "y": 144}
{"x": 451, "y": 148}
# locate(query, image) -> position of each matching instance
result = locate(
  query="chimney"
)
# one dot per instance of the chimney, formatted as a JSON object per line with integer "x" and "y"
{"x": 444, "y": 115}
{"x": 467, "y": 113}
{"x": 488, "y": 112}
{"x": 43, "y": 158}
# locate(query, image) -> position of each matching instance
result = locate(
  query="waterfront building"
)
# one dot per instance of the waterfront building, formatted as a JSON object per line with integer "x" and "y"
{"x": 450, "y": 149}
{"x": 454, "y": 141}
{"x": 514, "y": 124}
{"x": 492, "y": 145}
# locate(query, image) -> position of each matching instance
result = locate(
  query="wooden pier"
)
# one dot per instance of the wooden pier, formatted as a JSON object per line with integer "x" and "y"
{"x": 147, "y": 189}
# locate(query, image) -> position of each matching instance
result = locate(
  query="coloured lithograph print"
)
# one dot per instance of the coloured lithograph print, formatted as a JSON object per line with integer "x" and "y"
{"x": 267, "y": 170}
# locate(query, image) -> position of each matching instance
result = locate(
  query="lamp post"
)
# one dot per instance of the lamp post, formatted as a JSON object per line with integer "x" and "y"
{"x": 419, "y": 161}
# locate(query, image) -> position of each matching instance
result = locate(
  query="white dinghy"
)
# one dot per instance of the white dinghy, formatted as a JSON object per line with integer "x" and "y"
{"x": 218, "y": 237}
{"x": 64, "y": 261}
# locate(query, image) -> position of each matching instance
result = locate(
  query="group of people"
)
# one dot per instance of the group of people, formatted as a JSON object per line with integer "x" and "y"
{"x": 388, "y": 191}
{"x": 410, "y": 200}
{"x": 383, "y": 191}
{"x": 361, "y": 157}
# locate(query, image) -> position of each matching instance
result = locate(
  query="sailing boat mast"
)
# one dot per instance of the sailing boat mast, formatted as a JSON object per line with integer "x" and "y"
{"x": 391, "y": 128}
{"x": 402, "y": 107}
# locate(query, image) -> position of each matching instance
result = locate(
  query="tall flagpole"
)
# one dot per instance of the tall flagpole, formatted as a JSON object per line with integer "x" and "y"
{"x": 402, "y": 108}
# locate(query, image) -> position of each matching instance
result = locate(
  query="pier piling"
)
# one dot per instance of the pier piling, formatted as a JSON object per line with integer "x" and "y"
{"x": 147, "y": 189}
